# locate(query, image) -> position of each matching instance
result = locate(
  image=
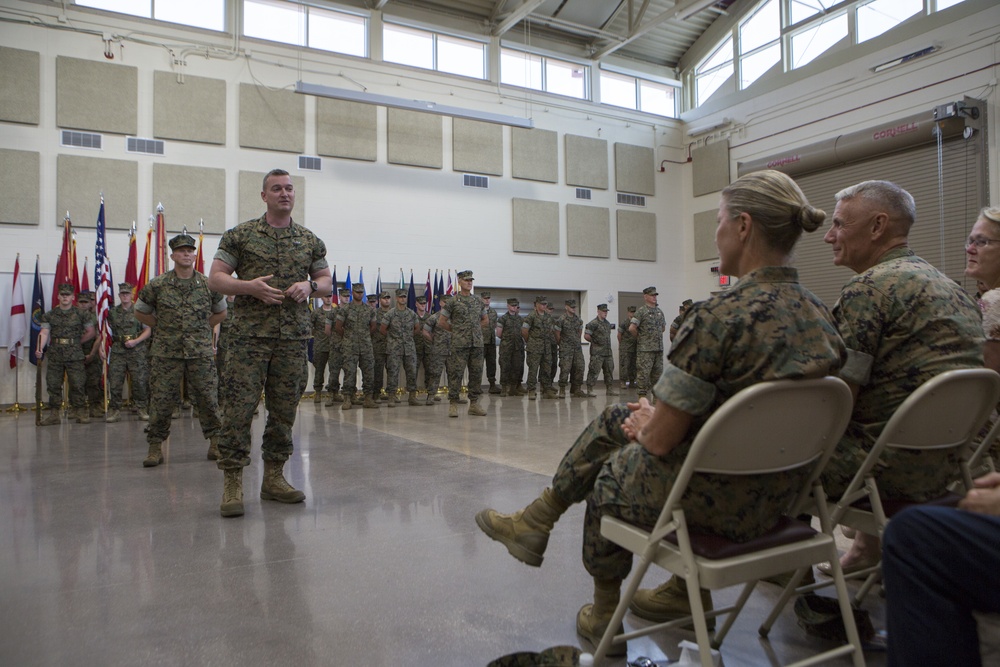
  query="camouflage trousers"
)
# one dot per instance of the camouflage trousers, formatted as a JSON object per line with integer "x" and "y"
{"x": 408, "y": 360}
{"x": 554, "y": 363}
{"x": 220, "y": 368}
{"x": 353, "y": 357}
{"x": 601, "y": 362}
{"x": 201, "y": 381}
{"x": 134, "y": 362}
{"x": 56, "y": 366}
{"x": 463, "y": 358}
{"x": 322, "y": 361}
{"x": 571, "y": 367}
{"x": 626, "y": 362}
{"x": 379, "y": 362}
{"x": 490, "y": 357}
{"x": 648, "y": 369}
{"x": 278, "y": 368}
{"x": 425, "y": 359}
{"x": 621, "y": 479}
{"x": 511, "y": 364}
{"x": 539, "y": 368}
{"x": 94, "y": 370}
{"x": 440, "y": 359}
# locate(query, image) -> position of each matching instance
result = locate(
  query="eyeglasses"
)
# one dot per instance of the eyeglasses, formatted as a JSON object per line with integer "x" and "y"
{"x": 979, "y": 242}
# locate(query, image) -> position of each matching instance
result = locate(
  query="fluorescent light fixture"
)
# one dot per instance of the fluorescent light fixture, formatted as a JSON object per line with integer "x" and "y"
{"x": 412, "y": 105}
{"x": 685, "y": 10}
{"x": 703, "y": 129}
{"x": 927, "y": 50}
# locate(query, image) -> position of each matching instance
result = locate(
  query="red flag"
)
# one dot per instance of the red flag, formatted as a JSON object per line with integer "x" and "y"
{"x": 199, "y": 260}
{"x": 161, "y": 241}
{"x": 131, "y": 264}
{"x": 144, "y": 273}
{"x": 451, "y": 288}
{"x": 18, "y": 319}
{"x": 74, "y": 269}
{"x": 84, "y": 280}
{"x": 63, "y": 264}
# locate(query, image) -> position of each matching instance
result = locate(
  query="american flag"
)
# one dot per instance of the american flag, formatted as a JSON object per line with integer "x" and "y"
{"x": 103, "y": 283}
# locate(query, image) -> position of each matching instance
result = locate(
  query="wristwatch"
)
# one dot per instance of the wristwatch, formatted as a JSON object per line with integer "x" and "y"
{"x": 314, "y": 286}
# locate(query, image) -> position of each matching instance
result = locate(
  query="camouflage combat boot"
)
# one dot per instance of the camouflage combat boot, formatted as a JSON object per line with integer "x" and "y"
{"x": 611, "y": 391}
{"x": 579, "y": 393}
{"x": 493, "y": 388}
{"x": 346, "y": 405}
{"x": 113, "y": 416}
{"x": 593, "y": 619}
{"x": 82, "y": 416}
{"x": 275, "y": 487}
{"x": 517, "y": 390}
{"x": 213, "y": 448}
{"x": 370, "y": 402}
{"x": 333, "y": 399}
{"x": 412, "y": 400}
{"x": 503, "y": 391}
{"x": 525, "y": 533}
{"x": 668, "y": 602}
{"x": 430, "y": 398}
{"x": 143, "y": 415}
{"x": 590, "y": 391}
{"x": 453, "y": 409}
{"x": 232, "y": 492}
{"x": 155, "y": 455}
{"x": 96, "y": 412}
{"x": 392, "y": 402}
{"x": 532, "y": 395}
{"x": 550, "y": 393}
{"x": 52, "y": 418}
{"x": 562, "y": 392}
{"x": 476, "y": 410}
{"x": 318, "y": 397}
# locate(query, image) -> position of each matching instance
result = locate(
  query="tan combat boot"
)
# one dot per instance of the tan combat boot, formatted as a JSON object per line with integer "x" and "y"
{"x": 412, "y": 400}
{"x": 517, "y": 390}
{"x": 113, "y": 416}
{"x": 391, "y": 401}
{"x": 503, "y": 391}
{"x": 346, "y": 405}
{"x": 668, "y": 602}
{"x": 155, "y": 455}
{"x": 232, "y": 492}
{"x": 592, "y": 620}
{"x": 562, "y": 392}
{"x": 51, "y": 419}
{"x": 370, "y": 402}
{"x": 476, "y": 410}
{"x": 430, "y": 398}
{"x": 550, "y": 393}
{"x": 318, "y": 397}
{"x": 525, "y": 533}
{"x": 333, "y": 399}
{"x": 610, "y": 389}
{"x": 143, "y": 415}
{"x": 213, "y": 449}
{"x": 579, "y": 393}
{"x": 275, "y": 487}
{"x": 82, "y": 416}
{"x": 96, "y": 412}
{"x": 453, "y": 409}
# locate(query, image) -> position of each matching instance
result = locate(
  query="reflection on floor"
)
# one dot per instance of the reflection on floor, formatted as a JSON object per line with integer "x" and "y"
{"x": 105, "y": 562}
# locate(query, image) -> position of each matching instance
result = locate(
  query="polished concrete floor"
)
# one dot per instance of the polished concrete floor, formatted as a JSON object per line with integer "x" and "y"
{"x": 104, "y": 562}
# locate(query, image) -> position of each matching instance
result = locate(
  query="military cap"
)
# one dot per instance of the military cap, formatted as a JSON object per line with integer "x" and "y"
{"x": 541, "y": 299}
{"x": 372, "y": 297}
{"x": 401, "y": 292}
{"x": 385, "y": 294}
{"x": 421, "y": 299}
{"x": 85, "y": 295}
{"x": 687, "y": 302}
{"x": 631, "y": 309}
{"x": 183, "y": 241}
{"x": 126, "y": 287}
{"x": 65, "y": 288}
{"x": 343, "y": 291}
{"x": 650, "y": 290}
{"x": 358, "y": 287}
{"x": 571, "y": 303}
{"x": 513, "y": 302}
{"x": 465, "y": 275}
{"x": 485, "y": 294}
{"x": 602, "y": 306}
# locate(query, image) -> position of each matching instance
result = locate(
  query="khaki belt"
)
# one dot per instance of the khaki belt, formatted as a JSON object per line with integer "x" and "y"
{"x": 63, "y": 341}
{"x": 126, "y": 338}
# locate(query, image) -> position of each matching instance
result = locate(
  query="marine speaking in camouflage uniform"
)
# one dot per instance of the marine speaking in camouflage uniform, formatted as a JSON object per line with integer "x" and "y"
{"x": 92, "y": 366}
{"x": 321, "y": 346}
{"x": 903, "y": 322}
{"x": 182, "y": 311}
{"x": 464, "y": 317}
{"x": 568, "y": 330}
{"x": 535, "y": 330}
{"x": 279, "y": 265}
{"x": 128, "y": 353}
{"x": 356, "y": 323}
{"x": 420, "y": 344}
{"x": 648, "y": 325}
{"x": 439, "y": 340}
{"x": 336, "y": 349}
{"x": 65, "y": 329}
{"x": 768, "y": 327}
{"x": 490, "y": 342}
{"x": 598, "y": 334}
{"x": 511, "y": 349}
{"x": 399, "y": 327}
{"x": 379, "y": 348}
{"x": 626, "y": 349}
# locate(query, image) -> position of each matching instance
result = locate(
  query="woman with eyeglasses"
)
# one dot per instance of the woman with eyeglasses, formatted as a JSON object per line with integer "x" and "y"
{"x": 982, "y": 263}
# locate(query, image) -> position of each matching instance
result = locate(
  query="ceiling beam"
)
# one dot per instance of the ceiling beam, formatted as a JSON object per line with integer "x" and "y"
{"x": 635, "y": 34}
{"x": 527, "y": 6}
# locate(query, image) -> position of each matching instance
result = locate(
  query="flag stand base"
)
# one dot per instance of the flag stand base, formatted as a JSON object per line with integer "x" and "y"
{"x": 17, "y": 407}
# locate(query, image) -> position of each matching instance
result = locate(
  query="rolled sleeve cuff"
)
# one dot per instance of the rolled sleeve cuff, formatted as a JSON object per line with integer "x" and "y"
{"x": 220, "y": 306}
{"x": 857, "y": 370}
{"x": 684, "y": 391}
{"x": 315, "y": 267}
{"x": 144, "y": 307}
{"x": 224, "y": 256}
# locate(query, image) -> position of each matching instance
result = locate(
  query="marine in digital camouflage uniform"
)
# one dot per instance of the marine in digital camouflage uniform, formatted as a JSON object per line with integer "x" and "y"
{"x": 128, "y": 354}
{"x": 535, "y": 330}
{"x": 336, "y": 349}
{"x": 648, "y": 325}
{"x": 490, "y": 342}
{"x": 420, "y": 344}
{"x": 626, "y": 349}
{"x": 681, "y": 312}
{"x": 555, "y": 362}
{"x": 279, "y": 266}
{"x": 64, "y": 330}
{"x": 356, "y": 322}
{"x": 182, "y": 311}
{"x": 464, "y": 316}
{"x": 321, "y": 346}
{"x": 92, "y": 365}
{"x": 568, "y": 332}
{"x": 399, "y": 327}
{"x": 511, "y": 349}
{"x": 439, "y": 340}
{"x": 598, "y": 334}
{"x": 379, "y": 347}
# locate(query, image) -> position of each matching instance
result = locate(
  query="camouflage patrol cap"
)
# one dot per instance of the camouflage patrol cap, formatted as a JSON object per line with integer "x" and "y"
{"x": 485, "y": 294}
{"x": 602, "y": 306}
{"x": 183, "y": 241}
{"x": 65, "y": 288}
{"x": 687, "y": 302}
{"x": 126, "y": 287}
{"x": 541, "y": 299}
{"x": 358, "y": 287}
{"x": 372, "y": 297}
{"x": 513, "y": 302}
{"x": 650, "y": 290}
{"x": 384, "y": 295}
{"x": 465, "y": 275}
{"x": 631, "y": 309}
{"x": 571, "y": 303}
{"x": 421, "y": 299}
{"x": 85, "y": 295}
{"x": 343, "y": 291}
{"x": 401, "y": 292}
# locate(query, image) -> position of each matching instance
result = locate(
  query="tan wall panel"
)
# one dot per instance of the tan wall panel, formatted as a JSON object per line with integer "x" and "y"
{"x": 586, "y": 162}
{"x": 534, "y": 154}
{"x": 704, "y": 235}
{"x": 637, "y": 235}
{"x": 588, "y": 231}
{"x": 191, "y": 111}
{"x": 97, "y": 97}
{"x": 19, "y": 86}
{"x": 80, "y": 182}
{"x": 415, "y": 138}
{"x": 252, "y": 206}
{"x": 190, "y": 194}
{"x": 20, "y": 173}
{"x": 634, "y": 169}
{"x": 477, "y": 147}
{"x": 710, "y": 168}
{"x": 346, "y": 129}
{"x": 274, "y": 120}
{"x": 536, "y": 226}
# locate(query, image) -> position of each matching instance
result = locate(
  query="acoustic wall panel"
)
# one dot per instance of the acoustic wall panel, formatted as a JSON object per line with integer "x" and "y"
{"x": 194, "y": 110}
{"x": 634, "y": 169}
{"x": 588, "y": 231}
{"x": 19, "y": 86}
{"x": 536, "y": 226}
{"x": 704, "y": 235}
{"x": 190, "y": 194}
{"x": 20, "y": 173}
{"x": 586, "y": 162}
{"x": 96, "y": 96}
{"x": 477, "y": 147}
{"x": 251, "y": 206}
{"x": 534, "y": 154}
{"x": 346, "y": 129}
{"x": 637, "y": 235}
{"x": 274, "y": 120}
{"x": 80, "y": 182}
{"x": 414, "y": 138}
{"x": 710, "y": 168}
